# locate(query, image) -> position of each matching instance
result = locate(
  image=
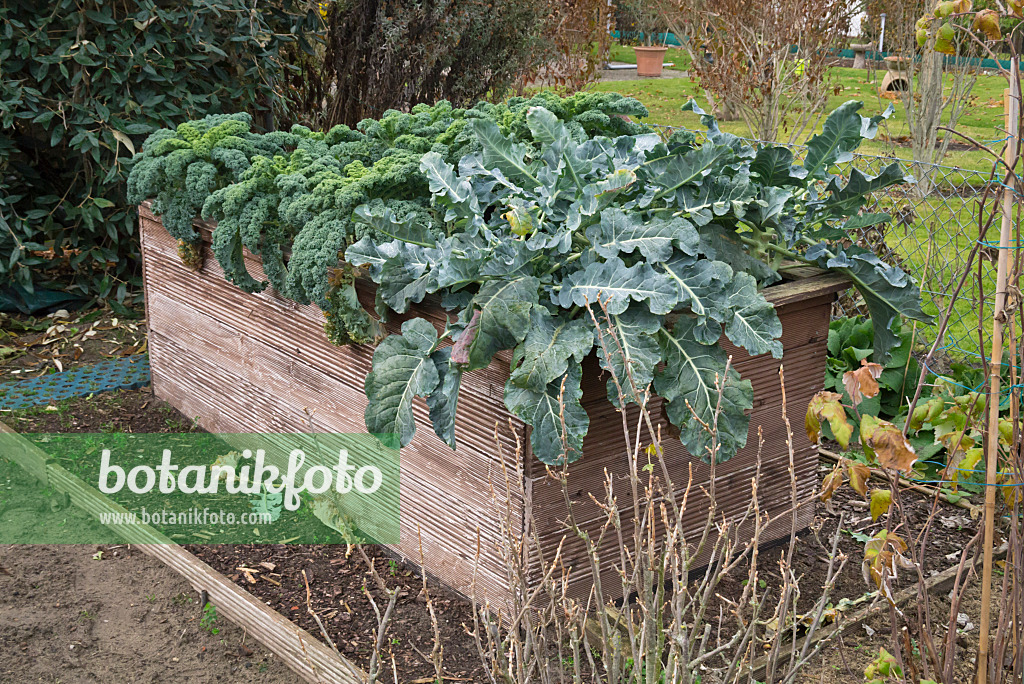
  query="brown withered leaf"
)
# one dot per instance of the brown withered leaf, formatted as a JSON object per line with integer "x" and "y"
{"x": 884, "y": 551}
{"x": 890, "y": 447}
{"x": 828, "y": 406}
{"x": 859, "y": 474}
{"x": 862, "y": 382}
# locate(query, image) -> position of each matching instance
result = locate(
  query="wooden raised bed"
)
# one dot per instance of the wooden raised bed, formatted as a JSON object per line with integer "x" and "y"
{"x": 241, "y": 362}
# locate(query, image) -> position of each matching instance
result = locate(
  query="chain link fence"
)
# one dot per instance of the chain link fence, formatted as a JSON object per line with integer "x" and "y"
{"x": 934, "y": 228}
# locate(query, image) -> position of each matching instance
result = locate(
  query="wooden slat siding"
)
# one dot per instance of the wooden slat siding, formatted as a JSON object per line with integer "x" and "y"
{"x": 299, "y": 650}
{"x": 805, "y": 318}
{"x": 198, "y": 387}
{"x": 264, "y": 341}
{"x": 603, "y": 443}
{"x": 243, "y": 362}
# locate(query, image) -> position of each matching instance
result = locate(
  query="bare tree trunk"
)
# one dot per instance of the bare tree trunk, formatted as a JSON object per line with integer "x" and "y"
{"x": 924, "y": 112}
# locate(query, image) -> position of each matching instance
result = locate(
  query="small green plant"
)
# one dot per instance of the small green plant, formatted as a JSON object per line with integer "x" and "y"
{"x": 882, "y": 669}
{"x": 209, "y": 619}
{"x": 183, "y": 599}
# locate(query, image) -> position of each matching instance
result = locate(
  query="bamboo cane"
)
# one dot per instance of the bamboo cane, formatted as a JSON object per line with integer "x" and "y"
{"x": 1011, "y": 104}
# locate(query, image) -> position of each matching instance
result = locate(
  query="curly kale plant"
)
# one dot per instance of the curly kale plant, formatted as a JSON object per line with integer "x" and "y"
{"x": 290, "y": 197}
{"x": 534, "y": 241}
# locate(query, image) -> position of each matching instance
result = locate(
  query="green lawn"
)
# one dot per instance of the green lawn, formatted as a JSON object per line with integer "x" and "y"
{"x": 940, "y": 230}
{"x": 983, "y": 122}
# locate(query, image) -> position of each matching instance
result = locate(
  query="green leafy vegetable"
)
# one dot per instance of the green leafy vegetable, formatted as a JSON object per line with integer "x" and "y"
{"x": 544, "y": 235}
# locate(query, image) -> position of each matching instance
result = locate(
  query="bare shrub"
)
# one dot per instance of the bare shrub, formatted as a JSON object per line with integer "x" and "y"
{"x": 765, "y": 63}
{"x": 669, "y": 630}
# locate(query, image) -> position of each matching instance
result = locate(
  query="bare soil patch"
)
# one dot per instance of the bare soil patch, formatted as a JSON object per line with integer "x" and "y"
{"x": 76, "y": 613}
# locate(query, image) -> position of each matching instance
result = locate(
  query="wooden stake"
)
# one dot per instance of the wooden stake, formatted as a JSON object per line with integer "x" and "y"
{"x": 1011, "y": 105}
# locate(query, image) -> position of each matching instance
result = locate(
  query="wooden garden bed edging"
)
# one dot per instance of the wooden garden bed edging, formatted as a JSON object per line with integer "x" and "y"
{"x": 300, "y": 651}
{"x": 943, "y": 581}
{"x": 240, "y": 362}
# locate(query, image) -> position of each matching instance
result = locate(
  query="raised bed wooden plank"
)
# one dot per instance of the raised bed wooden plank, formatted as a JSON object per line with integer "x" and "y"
{"x": 263, "y": 341}
{"x": 430, "y": 503}
{"x": 303, "y": 654}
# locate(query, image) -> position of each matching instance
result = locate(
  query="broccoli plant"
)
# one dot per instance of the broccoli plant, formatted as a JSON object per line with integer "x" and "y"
{"x": 531, "y": 244}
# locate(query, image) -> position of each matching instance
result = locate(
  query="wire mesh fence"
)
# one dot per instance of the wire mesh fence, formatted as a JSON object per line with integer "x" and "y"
{"x": 935, "y": 226}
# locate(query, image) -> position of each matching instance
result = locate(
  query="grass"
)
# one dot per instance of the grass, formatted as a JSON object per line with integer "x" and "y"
{"x": 941, "y": 228}
{"x": 624, "y": 53}
{"x": 983, "y": 121}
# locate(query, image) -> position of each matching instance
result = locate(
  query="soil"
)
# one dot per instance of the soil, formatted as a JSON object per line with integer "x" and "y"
{"x": 72, "y": 582}
{"x": 33, "y": 346}
{"x": 337, "y": 583}
{"x": 846, "y": 657}
{"x": 75, "y": 613}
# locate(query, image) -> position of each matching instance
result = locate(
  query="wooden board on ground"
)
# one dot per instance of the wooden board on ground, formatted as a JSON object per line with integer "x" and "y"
{"x": 303, "y": 654}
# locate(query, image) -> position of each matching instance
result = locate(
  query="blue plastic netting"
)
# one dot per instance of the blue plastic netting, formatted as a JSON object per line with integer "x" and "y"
{"x": 128, "y": 372}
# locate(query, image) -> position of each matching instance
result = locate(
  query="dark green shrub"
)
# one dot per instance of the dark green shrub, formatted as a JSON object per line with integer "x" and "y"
{"x": 84, "y": 81}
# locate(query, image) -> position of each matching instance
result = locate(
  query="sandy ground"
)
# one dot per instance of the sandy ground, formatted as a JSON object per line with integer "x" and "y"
{"x": 70, "y": 614}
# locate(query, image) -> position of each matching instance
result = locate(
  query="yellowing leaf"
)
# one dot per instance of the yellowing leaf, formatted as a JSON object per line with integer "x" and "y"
{"x": 987, "y": 22}
{"x": 520, "y": 220}
{"x": 926, "y": 413}
{"x": 831, "y": 483}
{"x": 944, "y": 9}
{"x": 828, "y": 406}
{"x": 868, "y": 423}
{"x": 1011, "y": 489}
{"x": 944, "y": 40}
{"x": 859, "y": 474}
{"x": 890, "y": 447}
{"x": 881, "y": 499}
{"x": 970, "y": 461}
{"x": 1016, "y": 7}
{"x": 962, "y": 6}
{"x": 125, "y": 140}
{"x": 1006, "y": 432}
{"x": 862, "y": 382}
{"x": 882, "y": 552}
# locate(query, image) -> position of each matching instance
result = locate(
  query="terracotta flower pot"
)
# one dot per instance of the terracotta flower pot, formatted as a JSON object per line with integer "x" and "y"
{"x": 649, "y": 60}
